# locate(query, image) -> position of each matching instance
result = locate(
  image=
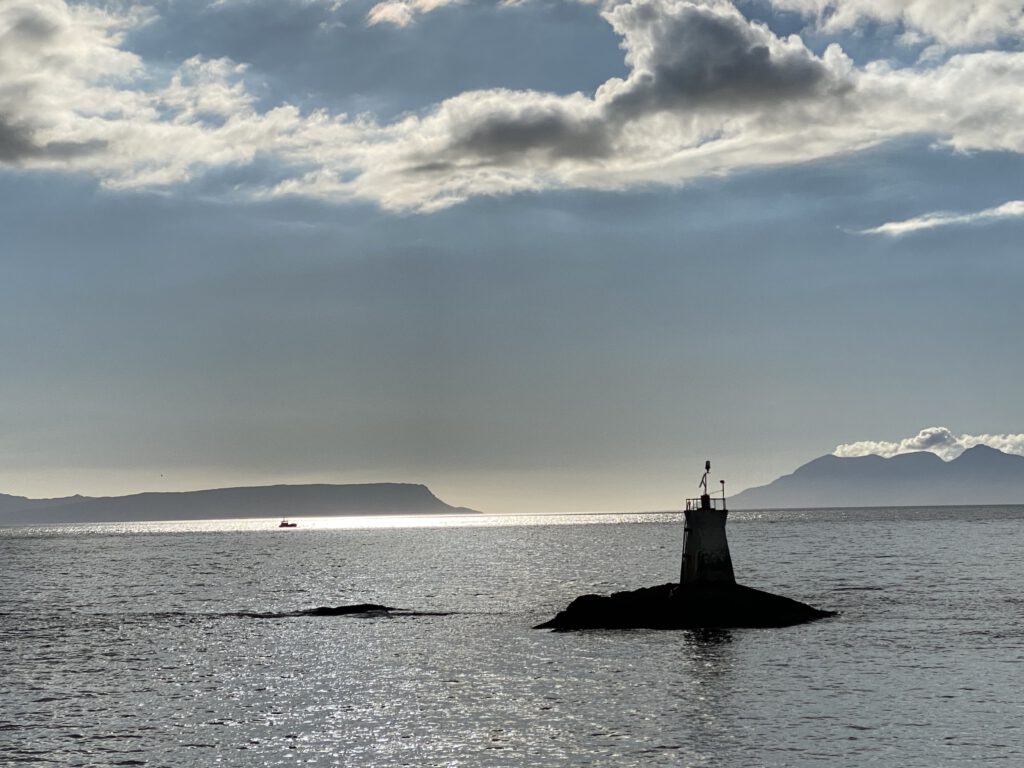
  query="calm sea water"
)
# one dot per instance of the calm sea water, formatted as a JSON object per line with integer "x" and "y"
{"x": 124, "y": 644}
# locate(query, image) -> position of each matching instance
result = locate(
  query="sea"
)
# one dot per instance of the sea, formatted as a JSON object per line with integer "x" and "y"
{"x": 184, "y": 643}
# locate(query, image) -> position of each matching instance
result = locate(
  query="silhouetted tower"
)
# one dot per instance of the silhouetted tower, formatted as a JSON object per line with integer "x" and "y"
{"x": 705, "y": 548}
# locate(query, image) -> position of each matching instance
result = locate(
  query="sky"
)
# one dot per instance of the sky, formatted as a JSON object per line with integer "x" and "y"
{"x": 539, "y": 255}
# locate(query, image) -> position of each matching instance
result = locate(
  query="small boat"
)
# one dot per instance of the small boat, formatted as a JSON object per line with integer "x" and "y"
{"x": 285, "y": 524}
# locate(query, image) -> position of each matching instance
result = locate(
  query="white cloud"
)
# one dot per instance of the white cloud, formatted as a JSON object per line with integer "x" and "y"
{"x": 1010, "y": 210}
{"x": 708, "y": 93}
{"x": 939, "y": 440}
{"x": 951, "y": 22}
{"x": 71, "y": 98}
{"x": 397, "y": 13}
{"x": 402, "y": 13}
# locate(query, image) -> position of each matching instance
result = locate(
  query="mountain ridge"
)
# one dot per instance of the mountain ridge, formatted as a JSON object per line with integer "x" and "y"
{"x": 979, "y": 475}
{"x": 281, "y": 500}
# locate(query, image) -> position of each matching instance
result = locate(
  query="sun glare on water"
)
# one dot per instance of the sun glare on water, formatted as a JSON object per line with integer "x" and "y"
{"x": 349, "y": 522}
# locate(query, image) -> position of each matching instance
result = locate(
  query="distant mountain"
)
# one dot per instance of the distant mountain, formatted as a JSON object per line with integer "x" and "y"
{"x": 253, "y": 501}
{"x": 980, "y": 475}
{"x": 12, "y": 505}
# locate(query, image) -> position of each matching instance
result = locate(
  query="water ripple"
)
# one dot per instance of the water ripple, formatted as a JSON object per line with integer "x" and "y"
{"x": 146, "y": 645}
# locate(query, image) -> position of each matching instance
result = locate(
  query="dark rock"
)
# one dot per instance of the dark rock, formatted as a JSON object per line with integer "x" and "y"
{"x": 344, "y": 610}
{"x": 368, "y": 610}
{"x": 694, "y": 606}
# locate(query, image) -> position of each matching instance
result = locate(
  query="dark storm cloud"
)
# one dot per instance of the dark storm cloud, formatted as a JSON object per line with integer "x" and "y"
{"x": 688, "y": 57}
{"x": 556, "y": 132}
{"x": 684, "y": 58}
{"x": 17, "y": 144}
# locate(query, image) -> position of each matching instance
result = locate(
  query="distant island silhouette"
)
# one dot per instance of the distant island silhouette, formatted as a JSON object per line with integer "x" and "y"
{"x": 313, "y": 500}
{"x": 980, "y": 475}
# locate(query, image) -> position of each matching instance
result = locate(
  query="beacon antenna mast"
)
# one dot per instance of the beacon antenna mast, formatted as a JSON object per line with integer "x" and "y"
{"x": 706, "y": 501}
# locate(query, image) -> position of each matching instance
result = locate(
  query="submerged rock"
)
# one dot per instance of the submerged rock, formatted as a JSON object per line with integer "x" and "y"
{"x": 359, "y": 609}
{"x": 691, "y": 606}
{"x": 368, "y": 610}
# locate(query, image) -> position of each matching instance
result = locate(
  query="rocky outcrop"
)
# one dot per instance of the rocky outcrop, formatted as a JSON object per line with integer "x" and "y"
{"x": 669, "y": 606}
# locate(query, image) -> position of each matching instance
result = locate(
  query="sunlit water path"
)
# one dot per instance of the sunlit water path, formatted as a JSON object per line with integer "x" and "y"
{"x": 129, "y": 643}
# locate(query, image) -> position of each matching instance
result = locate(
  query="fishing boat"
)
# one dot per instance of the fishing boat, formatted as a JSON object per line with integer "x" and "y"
{"x": 285, "y": 524}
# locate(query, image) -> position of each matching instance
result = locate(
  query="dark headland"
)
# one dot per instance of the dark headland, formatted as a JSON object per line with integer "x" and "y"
{"x": 707, "y": 595}
{"x": 320, "y": 500}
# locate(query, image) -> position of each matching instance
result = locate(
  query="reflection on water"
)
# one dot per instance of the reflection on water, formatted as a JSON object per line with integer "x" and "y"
{"x": 477, "y": 520}
{"x": 347, "y": 522}
{"x": 709, "y": 638}
{"x": 136, "y": 644}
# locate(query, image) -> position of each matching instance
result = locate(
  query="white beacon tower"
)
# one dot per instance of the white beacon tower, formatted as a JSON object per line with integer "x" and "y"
{"x": 706, "y": 559}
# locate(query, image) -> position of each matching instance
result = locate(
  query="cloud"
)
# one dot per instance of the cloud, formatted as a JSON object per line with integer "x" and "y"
{"x": 506, "y": 124}
{"x": 17, "y": 143}
{"x": 939, "y": 440}
{"x": 708, "y": 92}
{"x": 687, "y": 56}
{"x": 72, "y": 98}
{"x": 701, "y": 76}
{"x": 402, "y": 13}
{"x": 396, "y": 13}
{"x": 951, "y": 22}
{"x": 1010, "y": 210}
{"x": 47, "y": 51}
